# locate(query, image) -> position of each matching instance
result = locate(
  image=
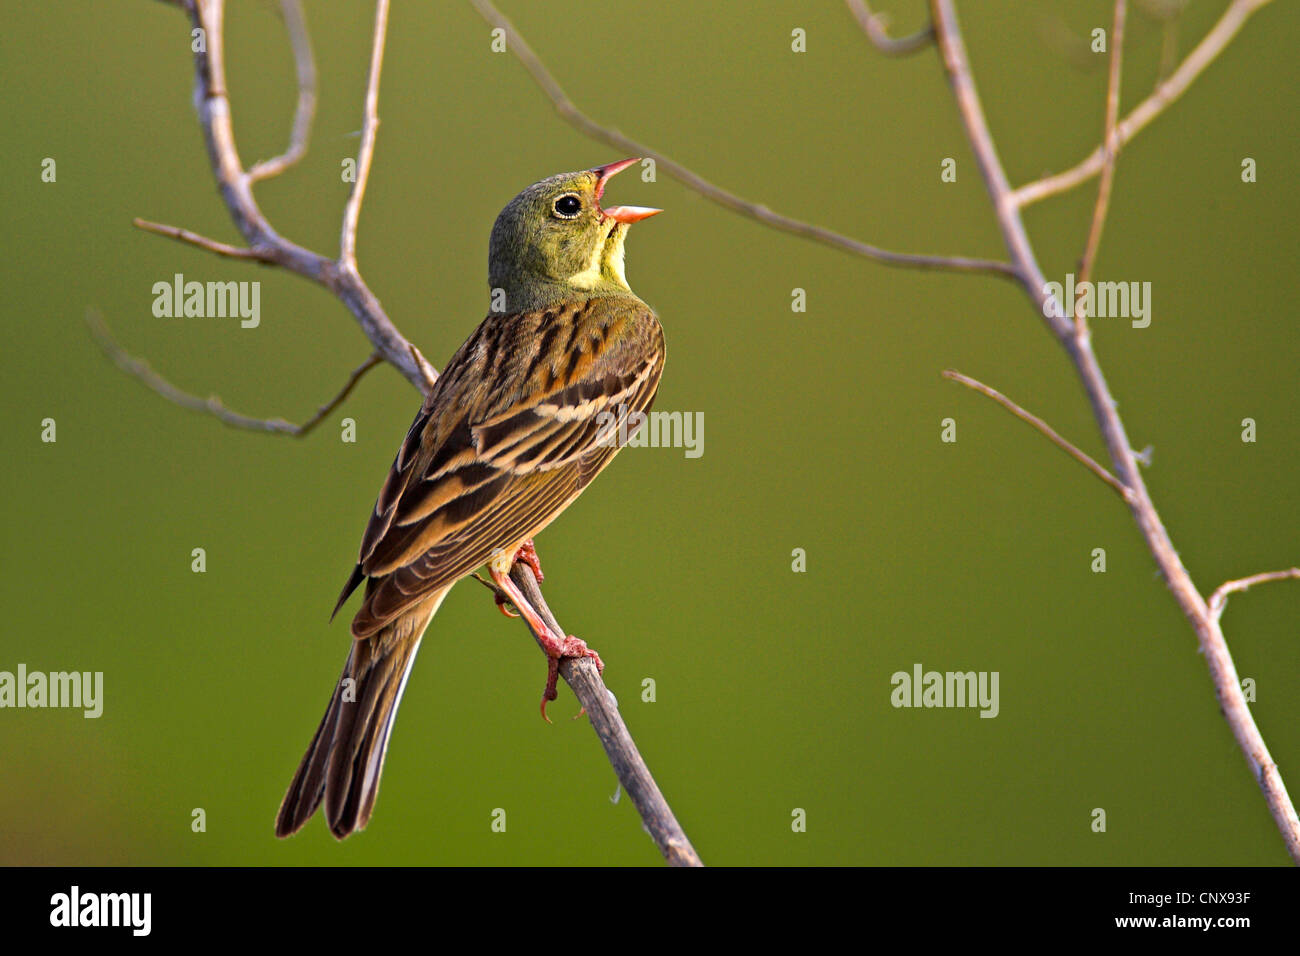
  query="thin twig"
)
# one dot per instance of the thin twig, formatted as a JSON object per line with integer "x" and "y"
{"x": 1164, "y": 95}
{"x": 995, "y": 178}
{"x": 1219, "y": 599}
{"x": 600, "y": 706}
{"x": 369, "y": 127}
{"x": 264, "y": 243}
{"x": 194, "y": 239}
{"x": 374, "y": 359}
{"x": 606, "y": 719}
{"x": 876, "y": 27}
{"x": 142, "y": 371}
{"x": 1111, "y": 147}
{"x": 688, "y": 177}
{"x": 427, "y": 371}
{"x": 1078, "y": 346}
{"x": 305, "y": 111}
{"x": 1047, "y": 430}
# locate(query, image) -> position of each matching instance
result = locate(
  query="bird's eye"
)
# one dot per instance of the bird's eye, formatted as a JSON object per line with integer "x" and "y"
{"x": 568, "y": 207}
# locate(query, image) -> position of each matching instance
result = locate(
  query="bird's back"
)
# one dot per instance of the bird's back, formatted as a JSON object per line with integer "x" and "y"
{"x": 525, "y": 415}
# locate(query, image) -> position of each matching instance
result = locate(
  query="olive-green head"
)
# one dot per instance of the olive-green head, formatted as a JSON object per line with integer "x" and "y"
{"x": 553, "y": 241}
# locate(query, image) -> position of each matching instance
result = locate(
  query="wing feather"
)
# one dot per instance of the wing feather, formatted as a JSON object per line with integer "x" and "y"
{"x": 490, "y": 460}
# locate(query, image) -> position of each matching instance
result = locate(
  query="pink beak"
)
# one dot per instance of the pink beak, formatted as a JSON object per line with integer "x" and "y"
{"x": 624, "y": 214}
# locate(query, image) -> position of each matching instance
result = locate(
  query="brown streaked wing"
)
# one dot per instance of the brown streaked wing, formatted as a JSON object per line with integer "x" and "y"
{"x": 399, "y": 475}
{"x": 531, "y": 458}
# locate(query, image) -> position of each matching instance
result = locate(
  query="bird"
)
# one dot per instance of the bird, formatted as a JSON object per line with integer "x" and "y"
{"x": 526, "y": 413}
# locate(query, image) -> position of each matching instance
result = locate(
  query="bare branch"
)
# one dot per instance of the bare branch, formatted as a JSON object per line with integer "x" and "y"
{"x": 602, "y": 708}
{"x": 194, "y": 239}
{"x": 426, "y": 370}
{"x": 1219, "y": 599}
{"x": 1078, "y": 345}
{"x": 305, "y": 65}
{"x": 264, "y": 243}
{"x": 369, "y": 127}
{"x": 876, "y": 27}
{"x": 1165, "y": 94}
{"x": 995, "y": 178}
{"x": 141, "y": 370}
{"x": 606, "y": 719}
{"x": 1047, "y": 430}
{"x": 374, "y": 359}
{"x": 1111, "y": 147}
{"x": 728, "y": 200}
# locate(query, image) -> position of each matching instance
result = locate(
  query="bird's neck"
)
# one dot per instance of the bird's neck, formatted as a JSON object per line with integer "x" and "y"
{"x": 535, "y": 295}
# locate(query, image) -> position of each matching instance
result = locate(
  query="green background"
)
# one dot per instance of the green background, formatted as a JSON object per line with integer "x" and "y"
{"x": 822, "y": 433}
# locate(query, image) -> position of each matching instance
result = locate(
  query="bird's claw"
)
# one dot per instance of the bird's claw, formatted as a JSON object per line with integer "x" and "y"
{"x": 527, "y": 553}
{"x": 552, "y": 677}
{"x": 503, "y": 605}
{"x": 570, "y": 647}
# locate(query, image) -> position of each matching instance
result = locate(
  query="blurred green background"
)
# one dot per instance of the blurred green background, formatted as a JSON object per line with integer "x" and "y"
{"x": 822, "y": 433}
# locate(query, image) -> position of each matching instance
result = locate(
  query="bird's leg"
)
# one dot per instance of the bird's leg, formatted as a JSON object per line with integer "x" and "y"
{"x": 501, "y": 605}
{"x": 555, "y": 646}
{"x": 527, "y": 554}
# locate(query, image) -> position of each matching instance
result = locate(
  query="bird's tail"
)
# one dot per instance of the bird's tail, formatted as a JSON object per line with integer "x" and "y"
{"x": 346, "y": 757}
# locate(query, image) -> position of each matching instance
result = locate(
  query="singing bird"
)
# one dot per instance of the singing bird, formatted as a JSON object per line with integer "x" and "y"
{"x": 525, "y": 415}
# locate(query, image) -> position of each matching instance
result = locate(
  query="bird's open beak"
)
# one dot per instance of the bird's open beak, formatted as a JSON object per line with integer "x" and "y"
{"x": 624, "y": 214}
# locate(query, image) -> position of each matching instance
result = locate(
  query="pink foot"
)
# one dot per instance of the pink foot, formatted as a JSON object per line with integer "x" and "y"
{"x": 557, "y": 650}
{"x": 528, "y": 554}
{"x": 556, "y": 647}
{"x": 502, "y": 603}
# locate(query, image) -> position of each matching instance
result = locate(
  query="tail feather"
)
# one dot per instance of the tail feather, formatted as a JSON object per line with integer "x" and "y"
{"x": 343, "y": 764}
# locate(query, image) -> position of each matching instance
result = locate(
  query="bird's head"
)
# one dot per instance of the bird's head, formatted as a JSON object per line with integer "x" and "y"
{"x": 554, "y": 240}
